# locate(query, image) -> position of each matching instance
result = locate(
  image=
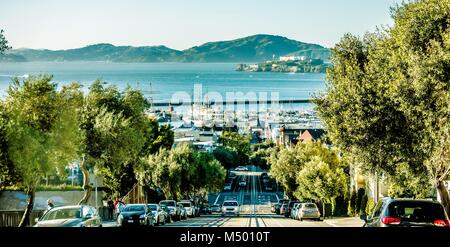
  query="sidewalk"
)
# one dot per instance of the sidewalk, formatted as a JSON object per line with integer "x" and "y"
{"x": 345, "y": 222}
{"x": 110, "y": 223}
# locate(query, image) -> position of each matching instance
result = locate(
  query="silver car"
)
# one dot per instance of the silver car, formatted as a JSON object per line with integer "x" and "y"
{"x": 230, "y": 207}
{"x": 308, "y": 211}
{"x": 159, "y": 215}
{"x": 70, "y": 216}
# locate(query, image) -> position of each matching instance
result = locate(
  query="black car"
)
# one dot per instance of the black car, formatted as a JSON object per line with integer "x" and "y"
{"x": 136, "y": 215}
{"x": 390, "y": 212}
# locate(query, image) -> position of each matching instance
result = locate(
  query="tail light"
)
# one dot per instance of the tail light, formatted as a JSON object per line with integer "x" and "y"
{"x": 443, "y": 223}
{"x": 390, "y": 220}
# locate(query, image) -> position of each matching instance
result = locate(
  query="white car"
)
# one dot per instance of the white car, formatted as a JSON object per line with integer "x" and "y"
{"x": 230, "y": 207}
{"x": 308, "y": 211}
{"x": 189, "y": 207}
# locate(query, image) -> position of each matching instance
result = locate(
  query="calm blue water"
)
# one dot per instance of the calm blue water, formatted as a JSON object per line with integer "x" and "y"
{"x": 168, "y": 78}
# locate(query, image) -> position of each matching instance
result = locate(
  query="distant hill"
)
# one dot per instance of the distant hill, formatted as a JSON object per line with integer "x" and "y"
{"x": 254, "y": 48}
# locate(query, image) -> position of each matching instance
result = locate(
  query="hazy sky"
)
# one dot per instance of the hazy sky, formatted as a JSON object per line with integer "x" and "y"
{"x": 180, "y": 24}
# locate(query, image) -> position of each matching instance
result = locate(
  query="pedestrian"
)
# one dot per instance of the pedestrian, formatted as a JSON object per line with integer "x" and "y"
{"x": 110, "y": 205}
{"x": 50, "y": 204}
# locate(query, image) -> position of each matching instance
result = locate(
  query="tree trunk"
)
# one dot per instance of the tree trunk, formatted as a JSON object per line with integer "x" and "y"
{"x": 86, "y": 185}
{"x": 443, "y": 194}
{"x": 25, "y": 221}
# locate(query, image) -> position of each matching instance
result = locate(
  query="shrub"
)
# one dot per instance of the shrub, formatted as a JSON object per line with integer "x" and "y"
{"x": 352, "y": 204}
{"x": 341, "y": 206}
{"x": 370, "y": 206}
{"x": 364, "y": 200}
{"x": 359, "y": 197}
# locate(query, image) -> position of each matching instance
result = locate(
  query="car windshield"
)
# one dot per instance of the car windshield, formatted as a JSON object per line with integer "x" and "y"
{"x": 416, "y": 211}
{"x": 66, "y": 213}
{"x": 310, "y": 206}
{"x": 185, "y": 204}
{"x": 152, "y": 207}
{"x": 168, "y": 203}
{"x": 230, "y": 203}
{"x": 132, "y": 208}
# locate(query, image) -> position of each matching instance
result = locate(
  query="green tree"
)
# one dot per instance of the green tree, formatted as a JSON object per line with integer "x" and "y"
{"x": 115, "y": 128}
{"x": 3, "y": 43}
{"x": 288, "y": 162}
{"x": 321, "y": 181}
{"x": 237, "y": 143}
{"x": 387, "y": 101}
{"x": 41, "y": 132}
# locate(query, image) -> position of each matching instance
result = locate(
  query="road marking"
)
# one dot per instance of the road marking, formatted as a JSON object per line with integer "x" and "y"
{"x": 217, "y": 198}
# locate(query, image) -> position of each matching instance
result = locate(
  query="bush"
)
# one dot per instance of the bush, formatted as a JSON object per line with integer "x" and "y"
{"x": 364, "y": 200}
{"x": 370, "y": 206}
{"x": 352, "y": 204}
{"x": 341, "y": 206}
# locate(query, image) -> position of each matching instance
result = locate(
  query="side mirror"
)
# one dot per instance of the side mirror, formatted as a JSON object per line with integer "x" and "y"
{"x": 363, "y": 217}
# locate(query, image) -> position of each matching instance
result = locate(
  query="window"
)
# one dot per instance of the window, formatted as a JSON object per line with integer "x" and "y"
{"x": 377, "y": 209}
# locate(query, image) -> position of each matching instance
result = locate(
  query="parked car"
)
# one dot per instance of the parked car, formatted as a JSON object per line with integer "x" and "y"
{"x": 290, "y": 205}
{"x": 308, "y": 211}
{"x": 227, "y": 187}
{"x": 294, "y": 210}
{"x": 230, "y": 207}
{"x": 159, "y": 215}
{"x": 232, "y": 175}
{"x": 241, "y": 168}
{"x": 183, "y": 211}
{"x": 174, "y": 211}
{"x": 390, "y": 212}
{"x": 135, "y": 214}
{"x": 189, "y": 207}
{"x": 205, "y": 209}
{"x": 70, "y": 216}
{"x": 216, "y": 208}
{"x": 283, "y": 206}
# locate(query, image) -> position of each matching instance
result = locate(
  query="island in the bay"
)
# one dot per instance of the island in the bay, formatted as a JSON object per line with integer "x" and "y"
{"x": 287, "y": 64}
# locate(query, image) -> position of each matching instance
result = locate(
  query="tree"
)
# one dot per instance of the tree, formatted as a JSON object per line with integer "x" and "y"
{"x": 288, "y": 162}
{"x": 387, "y": 101}
{"x": 321, "y": 181}
{"x": 237, "y": 143}
{"x": 115, "y": 128}
{"x": 3, "y": 43}
{"x": 41, "y": 132}
{"x": 181, "y": 172}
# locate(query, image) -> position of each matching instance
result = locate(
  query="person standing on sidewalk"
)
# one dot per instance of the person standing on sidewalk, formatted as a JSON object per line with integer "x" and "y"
{"x": 110, "y": 205}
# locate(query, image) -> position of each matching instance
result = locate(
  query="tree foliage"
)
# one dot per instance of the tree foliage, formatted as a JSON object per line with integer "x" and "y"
{"x": 306, "y": 171}
{"x": 40, "y": 131}
{"x": 182, "y": 172}
{"x": 388, "y": 95}
{"x": 3, "y": 43}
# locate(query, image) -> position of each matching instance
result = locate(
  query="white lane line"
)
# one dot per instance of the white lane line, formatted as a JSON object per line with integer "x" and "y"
{"x": 217, "y": 199}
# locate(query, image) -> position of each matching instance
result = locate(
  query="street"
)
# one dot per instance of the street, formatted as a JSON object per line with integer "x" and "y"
{"x": 255, "y": 204}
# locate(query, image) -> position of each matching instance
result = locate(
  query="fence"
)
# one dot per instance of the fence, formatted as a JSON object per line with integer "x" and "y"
{"x": 12, "y": 218}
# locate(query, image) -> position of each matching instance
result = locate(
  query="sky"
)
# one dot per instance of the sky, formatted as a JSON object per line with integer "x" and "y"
{"x": 181, "y": 24}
